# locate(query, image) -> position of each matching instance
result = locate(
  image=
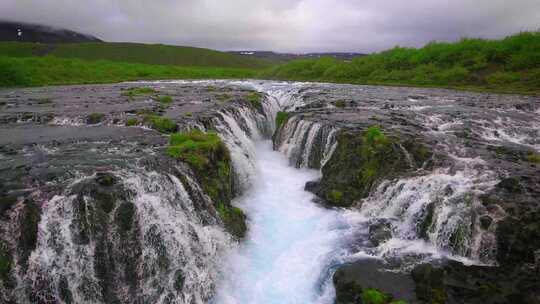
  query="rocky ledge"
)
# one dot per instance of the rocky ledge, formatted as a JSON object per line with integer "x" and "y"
{"x": 80, "y": 168}
{"x": 454, "y": 170}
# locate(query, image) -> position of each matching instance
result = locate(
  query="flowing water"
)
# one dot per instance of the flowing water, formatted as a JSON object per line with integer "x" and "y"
{"x": 291, "y": 242}
{"x": 177, "y": 250}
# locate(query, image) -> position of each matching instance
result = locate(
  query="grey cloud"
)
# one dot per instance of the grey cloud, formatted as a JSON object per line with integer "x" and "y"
{"x": 282, "y": 25}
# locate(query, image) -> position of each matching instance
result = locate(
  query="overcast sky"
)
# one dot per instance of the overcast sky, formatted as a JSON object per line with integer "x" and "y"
{"x": 282, "y": 25}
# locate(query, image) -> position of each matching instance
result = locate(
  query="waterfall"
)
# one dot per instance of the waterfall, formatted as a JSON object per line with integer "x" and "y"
{"x": 433, "y": 214}
{"x": 157, "y": 244}
{"x": 306, "y": 143}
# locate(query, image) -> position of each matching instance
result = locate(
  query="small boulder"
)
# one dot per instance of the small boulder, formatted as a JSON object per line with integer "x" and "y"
{"x": 380, "y": 232}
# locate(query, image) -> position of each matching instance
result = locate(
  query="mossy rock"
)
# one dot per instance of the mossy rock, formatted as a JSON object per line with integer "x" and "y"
{"x": 360, "y": 161}
{"x": 140, "y": 91}
{"x": 130, "y": 122}
{"x": 210, "y": 160}
{"x": 165, "y": 99}
{"x": 234, "y": 219}
{"x": 429, "y": 284}
{"x": 95, "y": 118}
{"x": 255, "y": 99}
{"x": 5, "y": 262}
{"x": 281, "y": 118}
{"x": 161, "y": 124}
{"x": 29, "y": 220}
{"x": 6, "y": 202}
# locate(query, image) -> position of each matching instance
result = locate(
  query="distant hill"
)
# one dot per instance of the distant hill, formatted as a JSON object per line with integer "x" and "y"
{"x": 282, "y": 57}
{"x": 25, "y": 32}
{"x": 155, "y": 54}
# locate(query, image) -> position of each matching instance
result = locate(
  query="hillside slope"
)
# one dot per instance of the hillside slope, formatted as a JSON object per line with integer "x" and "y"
{"x": 508, "y": 65}
{"x": 155, "y": 54}
{"x": 25, "y": 32}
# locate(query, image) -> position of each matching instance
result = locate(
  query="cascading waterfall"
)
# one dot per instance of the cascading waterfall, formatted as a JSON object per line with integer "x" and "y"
{"x": 162, "y": 243}
{"x": 306, "y": 143}
{"x": 161, "y": 246}
{"x": 430, "y": 216}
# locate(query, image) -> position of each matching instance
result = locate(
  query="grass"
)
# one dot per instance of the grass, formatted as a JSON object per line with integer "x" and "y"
{"x": 165, "y": 99}
{"x": 44, "y": 71}
{"x": 151, "y": 54}
{"x": 254, "y": 98}
{"x": 195, "y": 147}
{"x": 509, "y": 65}
{"x": 161, "y": 124}
{"x": 142, "y": 91}
{"x": 130, "y": 122}
{"x": 281, "y": 118}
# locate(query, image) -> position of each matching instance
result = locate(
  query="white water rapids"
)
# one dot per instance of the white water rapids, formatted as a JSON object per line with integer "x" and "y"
{"x": 291, "y": 241}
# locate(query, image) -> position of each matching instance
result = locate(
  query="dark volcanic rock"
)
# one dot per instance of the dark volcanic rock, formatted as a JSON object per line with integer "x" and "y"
{"x": 454, "y": 282}
{"x": 351, "y": 279}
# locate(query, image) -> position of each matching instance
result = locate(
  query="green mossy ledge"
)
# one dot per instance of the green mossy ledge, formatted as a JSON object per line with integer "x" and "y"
{"x": 210, "y": 160}
{"x": 361, "y": 160}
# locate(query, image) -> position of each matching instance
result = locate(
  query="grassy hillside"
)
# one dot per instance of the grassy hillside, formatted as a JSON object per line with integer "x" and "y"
{"x": 49, "y": 70}
{"x": 508, "y": 65}
{"x": 155, "y": 54}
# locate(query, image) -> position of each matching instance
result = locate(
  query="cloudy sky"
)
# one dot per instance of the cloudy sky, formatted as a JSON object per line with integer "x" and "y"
{"x": 282, "y": 25}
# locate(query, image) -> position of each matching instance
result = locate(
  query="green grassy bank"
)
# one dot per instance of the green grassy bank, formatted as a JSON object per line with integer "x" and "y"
{"x": 509, "y": 65}
{"x": 48, "y": 70}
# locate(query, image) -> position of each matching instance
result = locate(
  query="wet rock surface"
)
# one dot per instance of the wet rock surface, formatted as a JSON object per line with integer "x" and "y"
{"x": 459, "y": 173}
{"x": 83, "y": 178}
{"x": 448, "y": 176}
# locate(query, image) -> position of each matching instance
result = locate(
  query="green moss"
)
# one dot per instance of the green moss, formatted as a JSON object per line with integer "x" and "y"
{"x": 340, "y": 104}
{"x": 162, "y": 124}
{"x": 95, "y": 118}
{"x": 195, "y": 147}
{"x": 254, "y": 99}
{"x": 5, "y": 262}
{"x": 375, "y": 143}
{"x": 233, "y": 218}
{"x": 335, "y": 196}
{"x": 281, "y": 118}
{"x": 130, "y": 122}
{"x": 165, "y": 99}
{"x": 188, "y": 114}
{"x": 124, "y": 217}
{"x": 357, "y": 164}
{"x": 142, "y": 91}
{"x": 533, "y": 157}
{"x": 373, "y": 296}
{"x": 223, "y": 97}
{"x": 209, "y": 158}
